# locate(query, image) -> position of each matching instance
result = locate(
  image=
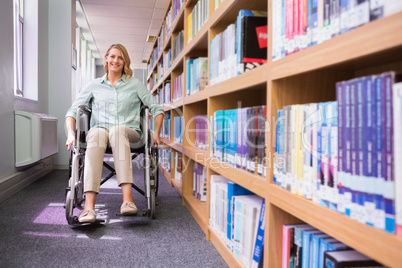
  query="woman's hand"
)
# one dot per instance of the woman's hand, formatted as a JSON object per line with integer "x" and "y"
{"x": 70, "y": 140}
{"x": 70, "y": 123}
{"x": 157, "y": 139}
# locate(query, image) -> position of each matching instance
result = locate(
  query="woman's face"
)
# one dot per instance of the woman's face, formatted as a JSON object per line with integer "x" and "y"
{"x": 115, "y": 61}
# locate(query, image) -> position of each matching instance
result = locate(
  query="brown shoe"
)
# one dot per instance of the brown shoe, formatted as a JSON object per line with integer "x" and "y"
{"x": 87, "y": 216}
{"x": 128, "y": 208}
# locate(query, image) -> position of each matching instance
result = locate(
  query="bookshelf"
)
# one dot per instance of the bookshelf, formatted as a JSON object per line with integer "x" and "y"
{"x": 303, "y": 77}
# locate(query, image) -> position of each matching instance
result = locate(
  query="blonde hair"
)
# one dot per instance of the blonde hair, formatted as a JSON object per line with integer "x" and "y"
{"x": 126, "y": 58}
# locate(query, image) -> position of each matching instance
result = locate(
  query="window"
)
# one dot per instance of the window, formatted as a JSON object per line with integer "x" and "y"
{"x": 18, "y": 34}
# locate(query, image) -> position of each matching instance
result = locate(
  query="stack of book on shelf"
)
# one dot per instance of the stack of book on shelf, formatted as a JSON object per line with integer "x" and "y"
{"x": 164, "y": 158}
{"x": 239, "y": 138}
{"x": 238, "y": 216}
{"x": 178, "y": 129}
{"x": 166, "y": 92}
{"x": 160, "y": 69}
{"x": 178, "y": 166}
{"x": 178, "y": 44}
{"x": 197, "y": 17}
{"x": 241, "y": 47}
{"x": 151, "y": 124}
{"x": 343, "y": 154}
{"x": 167, "y": 59}
{"x": 161, "y": 41}
{"x": 176, "y": 6}
{"x": 168, "y": 23}
{"x": 306, "y": 246}
{"x": 201, "y": 131}
{"x": 217, "y": 3}
{"x": 301, "y": 24}
{"x": 200, "y": 182}
{"x": 197, "y": 75}
{"x": 178, "y": 83}
{"x": 166, "y": 126}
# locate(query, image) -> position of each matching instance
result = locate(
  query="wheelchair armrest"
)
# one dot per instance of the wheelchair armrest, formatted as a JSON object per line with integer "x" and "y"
{"x": 85, "y": 109}
{"x": 83, "y": 123}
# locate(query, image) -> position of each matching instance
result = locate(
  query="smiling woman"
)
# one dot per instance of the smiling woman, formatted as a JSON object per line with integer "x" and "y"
{"x": 116, "y": 100}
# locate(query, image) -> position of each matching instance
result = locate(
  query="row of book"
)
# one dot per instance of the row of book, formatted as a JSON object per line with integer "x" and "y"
{"x": 197, "y": 18}
{"x": 197, "y": 74}
{"x": 239, "y": 138}
{"x": 238, "y": 216}
{"x": 178, "y": 166}
{"x": 165, "y": 158}
{"x": 178, "y": 86}
{"x": 178, "y": 44}
{"x": 152, "y": 81}
{"x": 176, "y": 7}
{"x": 200, "y": 182}
{"x": 343, "y": 154}
{"x": 167, "y": 61}
{"x": 241, "y": 47}
{"x": 166, "y": 123}
{"x": 217, "y": 3}
{"x": 201, "y": 131}
{"x": 163, "y": 96}
{"x": 304, "y": 246}
{"x": 298, "y": 24}
{"x": 160, "y": 70}
{"x": 178, "y": 129}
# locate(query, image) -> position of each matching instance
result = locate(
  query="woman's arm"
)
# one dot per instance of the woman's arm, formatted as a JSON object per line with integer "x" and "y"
{"x": 158, "y": 125}
{"x": 70, "y": 124}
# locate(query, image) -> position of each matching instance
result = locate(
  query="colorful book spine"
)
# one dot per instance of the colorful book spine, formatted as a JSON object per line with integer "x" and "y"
{"x": 389, "y": 186}
{"x": 380, "y": 162}
{"x": 397, "y": 111}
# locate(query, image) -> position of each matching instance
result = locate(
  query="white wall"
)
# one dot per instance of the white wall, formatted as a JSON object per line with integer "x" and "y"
{"x": 60, "y": 70}
{"x": 6, "y": 89}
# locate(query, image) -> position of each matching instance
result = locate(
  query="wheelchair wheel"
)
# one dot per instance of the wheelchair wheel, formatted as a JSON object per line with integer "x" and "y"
{"x": 153, "y": 187}
{"x": 153, "y": 202}
{"x": 69, "y": 205}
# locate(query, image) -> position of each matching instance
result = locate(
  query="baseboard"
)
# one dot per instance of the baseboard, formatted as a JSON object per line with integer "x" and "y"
{"x": 19, "y": 180}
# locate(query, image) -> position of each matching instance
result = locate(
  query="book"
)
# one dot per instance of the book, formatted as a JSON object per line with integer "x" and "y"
{"x": 214, "y": 199}
{"x": 233, "y": 190}
{"x": 397, "y": 112}
{"x": 252, "y": 36}
{"x": 258, "y": 260}
{"x": 298, "y": 241}
{"x": 288, "y": 246}
{"x": 348, "y": 258}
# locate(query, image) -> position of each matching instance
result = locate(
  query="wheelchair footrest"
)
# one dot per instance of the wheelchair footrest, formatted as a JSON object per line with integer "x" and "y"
{"x": 126, "y": 215}
{"x": 74, "y": 221}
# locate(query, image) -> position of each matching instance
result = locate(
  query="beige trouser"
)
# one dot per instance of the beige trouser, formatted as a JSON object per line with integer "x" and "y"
{"x": 119, "y": 138}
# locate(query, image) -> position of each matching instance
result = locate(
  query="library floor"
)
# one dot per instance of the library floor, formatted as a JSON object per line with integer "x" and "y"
{"x": 34, "y": 232}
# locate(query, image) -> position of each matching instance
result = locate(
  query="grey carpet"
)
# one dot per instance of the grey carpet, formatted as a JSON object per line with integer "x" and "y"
{"x": 34, "y": 232}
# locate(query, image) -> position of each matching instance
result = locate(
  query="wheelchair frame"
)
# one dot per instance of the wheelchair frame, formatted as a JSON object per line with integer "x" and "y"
{"x": 75, "y": 195}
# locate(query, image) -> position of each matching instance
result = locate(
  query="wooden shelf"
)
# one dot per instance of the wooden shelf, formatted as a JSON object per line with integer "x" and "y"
{"x": 178, "y": 184}
{"x": 197, "y": 154}
{"x": 220, "y": 245}
{"x": 255, "y": 77}
{"x": 198, "y": 210}
{"x": 253, "y": 182}
{"x": 303, "y": 77}
{"x": 370, "y": 42}
{"x": 166, "y": 174}
{"x": 377, "y": 244}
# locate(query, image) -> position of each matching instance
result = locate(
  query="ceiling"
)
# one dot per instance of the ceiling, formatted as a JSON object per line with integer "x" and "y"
{"x": 127, "y": 22}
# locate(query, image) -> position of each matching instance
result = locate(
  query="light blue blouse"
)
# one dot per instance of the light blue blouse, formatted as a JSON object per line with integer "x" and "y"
{"x": 115, "y": 106}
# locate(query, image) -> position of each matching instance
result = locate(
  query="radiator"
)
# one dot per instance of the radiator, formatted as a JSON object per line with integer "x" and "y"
{"x": 35, "y": 137}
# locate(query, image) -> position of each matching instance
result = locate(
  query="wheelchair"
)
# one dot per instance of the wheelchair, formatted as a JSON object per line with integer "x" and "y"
{"x": 75, "y": 195}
